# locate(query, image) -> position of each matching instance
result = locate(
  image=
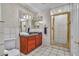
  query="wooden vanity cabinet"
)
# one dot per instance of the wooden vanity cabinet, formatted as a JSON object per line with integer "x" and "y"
{"x": 38, "y": 40}
{"x": 31, "y": 43}
{"x": 23, "y": 44}
{"x": 40, "y": 36}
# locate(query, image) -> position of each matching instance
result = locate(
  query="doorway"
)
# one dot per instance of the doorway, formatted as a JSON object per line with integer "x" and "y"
{"x": 60, "y": 29}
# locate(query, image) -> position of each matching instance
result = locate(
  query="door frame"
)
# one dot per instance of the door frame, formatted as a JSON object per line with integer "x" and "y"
{"x": 68, "y": 28}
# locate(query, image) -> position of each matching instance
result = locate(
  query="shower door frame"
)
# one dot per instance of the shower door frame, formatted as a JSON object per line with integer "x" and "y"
{"x": 52, "y": 28}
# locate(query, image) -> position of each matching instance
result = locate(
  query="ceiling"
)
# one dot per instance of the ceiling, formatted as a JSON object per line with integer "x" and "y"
{"x": 43, "y": 6}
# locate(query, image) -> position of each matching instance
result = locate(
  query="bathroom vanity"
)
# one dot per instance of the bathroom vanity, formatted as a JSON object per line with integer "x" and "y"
{"x": 30, "y": 42}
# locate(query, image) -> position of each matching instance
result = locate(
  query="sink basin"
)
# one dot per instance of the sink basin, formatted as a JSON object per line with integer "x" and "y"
{"x": 24, "y": 33}
{"x": 30, "y": 33}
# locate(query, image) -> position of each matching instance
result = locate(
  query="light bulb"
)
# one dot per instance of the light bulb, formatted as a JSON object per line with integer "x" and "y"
{"x": 24, "y": 17}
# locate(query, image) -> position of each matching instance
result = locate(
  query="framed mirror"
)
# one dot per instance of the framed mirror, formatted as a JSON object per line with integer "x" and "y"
{"x": 36, "y": 23}
{"x": 24, "y": 21}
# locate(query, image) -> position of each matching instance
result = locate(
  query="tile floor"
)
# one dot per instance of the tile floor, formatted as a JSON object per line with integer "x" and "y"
{"x": 49, "y": 51}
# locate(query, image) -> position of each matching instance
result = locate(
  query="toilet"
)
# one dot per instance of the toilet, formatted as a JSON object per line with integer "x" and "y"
{"x": 10, "y": 48}
{"x": 13, "y": 52}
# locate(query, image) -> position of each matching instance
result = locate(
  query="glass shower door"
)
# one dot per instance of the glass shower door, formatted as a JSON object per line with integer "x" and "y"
{"x": 60, "y": 29}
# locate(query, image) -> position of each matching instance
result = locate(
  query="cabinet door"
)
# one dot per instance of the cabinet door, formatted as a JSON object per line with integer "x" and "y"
{"x": 38, "y": 40}
{"x": 23, "y": 44}
{"x": 31, "y": 43}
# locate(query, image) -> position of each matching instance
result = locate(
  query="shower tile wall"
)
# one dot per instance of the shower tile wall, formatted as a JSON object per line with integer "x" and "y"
{"x": 11, "y": 26}
{"x": 1, "y": 34}
{"x": 75, "y": 29}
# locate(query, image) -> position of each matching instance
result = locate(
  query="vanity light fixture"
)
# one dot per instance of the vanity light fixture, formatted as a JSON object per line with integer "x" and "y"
{"x": 24, "y": 17}
{"x": 41, "y": 22}
{"x": 27, "y": 17}
{"x": 30, "y": 17}
{"x": 51, "y": 12}
{"x": 59, "y": 10}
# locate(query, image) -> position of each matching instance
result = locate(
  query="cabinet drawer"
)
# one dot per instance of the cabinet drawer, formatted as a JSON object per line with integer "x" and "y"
{"x": 37, "y": 37}
{"x": 31, "y": 37}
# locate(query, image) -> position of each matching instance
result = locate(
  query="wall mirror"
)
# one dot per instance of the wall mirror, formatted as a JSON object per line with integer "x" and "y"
{"x": 24, "y": 21}
{"x": 36, "y": 22}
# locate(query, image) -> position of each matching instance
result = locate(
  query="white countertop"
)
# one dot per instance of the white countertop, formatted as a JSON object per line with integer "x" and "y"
{"x": 24, "y": 33}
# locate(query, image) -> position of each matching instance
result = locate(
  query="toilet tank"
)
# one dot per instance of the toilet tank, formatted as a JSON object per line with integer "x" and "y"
{"x": 9, "y": 43}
